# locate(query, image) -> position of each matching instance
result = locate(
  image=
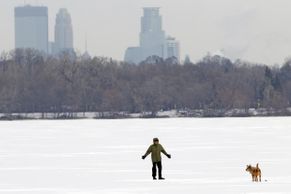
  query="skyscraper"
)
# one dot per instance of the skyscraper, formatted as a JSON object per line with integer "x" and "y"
{"x": 152, "y": 36}
{"x": 172, "y": 48}
{"x": 31, "y": 27}
{"x": 63, "y": 32}
{"x": 152, "y": 39}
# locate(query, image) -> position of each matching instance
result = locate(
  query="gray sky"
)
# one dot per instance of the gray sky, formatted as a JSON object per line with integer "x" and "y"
{"x": 253, "y": 30}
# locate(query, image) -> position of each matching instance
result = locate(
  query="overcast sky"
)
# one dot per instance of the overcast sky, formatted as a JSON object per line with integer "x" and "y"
{"x": 253, "y": 30}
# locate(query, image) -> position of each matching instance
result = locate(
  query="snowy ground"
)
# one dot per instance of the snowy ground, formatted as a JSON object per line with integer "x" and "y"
{"x": 104, "y": 156}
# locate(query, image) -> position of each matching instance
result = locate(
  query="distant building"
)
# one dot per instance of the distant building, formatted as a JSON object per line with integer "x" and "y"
{"x": 63, "y": 32}
{"x": 153, "y": 40}
{"x": 172, "y": 48}
{"x": 133, "y": 55}
{"x": 152, "y": 36}
{"x": 31, "y": 27}
{"x": 51, "y": 48}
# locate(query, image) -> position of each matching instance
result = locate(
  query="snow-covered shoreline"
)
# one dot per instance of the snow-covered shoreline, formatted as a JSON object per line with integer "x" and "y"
{"x": 209, "y": 113}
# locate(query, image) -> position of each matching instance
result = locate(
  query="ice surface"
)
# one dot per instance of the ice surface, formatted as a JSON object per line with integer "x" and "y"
{"x": 104, "y": 156}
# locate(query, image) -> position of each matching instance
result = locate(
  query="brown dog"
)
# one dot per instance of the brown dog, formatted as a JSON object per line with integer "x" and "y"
{"x": 255, "y": 172}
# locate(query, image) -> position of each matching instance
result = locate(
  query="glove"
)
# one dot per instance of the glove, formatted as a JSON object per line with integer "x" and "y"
{"x": 143, "y": 157}
{"x": 169, "y": 156}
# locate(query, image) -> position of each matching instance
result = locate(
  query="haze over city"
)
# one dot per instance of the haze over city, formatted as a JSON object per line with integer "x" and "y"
{"x": 253, "y": 30}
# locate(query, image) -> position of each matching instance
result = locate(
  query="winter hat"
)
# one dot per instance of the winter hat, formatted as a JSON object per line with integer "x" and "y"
{"x": 156, "y": 139}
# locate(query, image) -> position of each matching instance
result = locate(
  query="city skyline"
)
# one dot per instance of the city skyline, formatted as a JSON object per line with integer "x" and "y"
{"x": 31, "y": 30}
{"x": 153, "y": 40}
{"x": 250, "y": 30}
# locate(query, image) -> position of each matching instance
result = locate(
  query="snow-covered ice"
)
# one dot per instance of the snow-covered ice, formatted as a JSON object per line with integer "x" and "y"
{"x": 209, "y": 156}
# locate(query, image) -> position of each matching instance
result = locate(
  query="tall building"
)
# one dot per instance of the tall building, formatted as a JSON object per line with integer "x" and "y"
{"x": 31, "y": 27}
{"x": 172, "y": 48}
{"x": 153, "y": 39}
{"x": 63, "y": 32}
{"x": 152, "y": 36}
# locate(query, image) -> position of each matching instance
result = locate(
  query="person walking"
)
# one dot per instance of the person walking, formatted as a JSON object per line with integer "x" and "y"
{"x": 155, "y": 150}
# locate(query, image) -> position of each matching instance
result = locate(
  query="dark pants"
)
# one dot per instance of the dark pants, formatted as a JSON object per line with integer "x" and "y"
{"x": 154, "y": 169}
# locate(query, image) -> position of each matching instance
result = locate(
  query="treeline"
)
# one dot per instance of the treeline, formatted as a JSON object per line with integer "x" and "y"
{"x": 31, "y": 82}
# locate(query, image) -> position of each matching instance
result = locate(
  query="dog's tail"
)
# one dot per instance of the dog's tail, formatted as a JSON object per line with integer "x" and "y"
{"x": 257, "y": 165}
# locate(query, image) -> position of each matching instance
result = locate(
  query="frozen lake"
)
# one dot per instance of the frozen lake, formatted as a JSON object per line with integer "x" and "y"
{"x": 209, "y": 156}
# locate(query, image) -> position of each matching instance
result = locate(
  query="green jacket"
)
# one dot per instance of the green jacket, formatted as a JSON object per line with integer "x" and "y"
{"x": 156, "y": 150}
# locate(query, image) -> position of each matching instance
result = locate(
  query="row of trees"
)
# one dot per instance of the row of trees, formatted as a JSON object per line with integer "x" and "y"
{"x": 30, "y": 82}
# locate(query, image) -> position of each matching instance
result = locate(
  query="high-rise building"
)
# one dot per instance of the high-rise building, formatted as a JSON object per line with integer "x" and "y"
{"x": 63, "y": 32}
{"x": 31, "y": 27}
{"x": 152, "y": 36}
{"x": 153, "y": 40}
{"x": 172, "y": 48}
